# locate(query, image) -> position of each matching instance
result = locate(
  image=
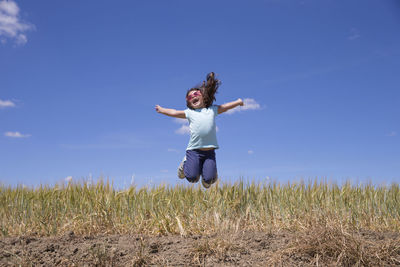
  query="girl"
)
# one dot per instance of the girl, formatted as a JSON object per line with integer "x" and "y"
{"x": 201, "y": 113}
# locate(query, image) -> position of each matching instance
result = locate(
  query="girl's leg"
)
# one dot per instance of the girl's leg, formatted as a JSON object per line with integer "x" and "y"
{"x": 191, "y": 167}
{"x": 209, "y": 169}
{"x": 181, "y": 174}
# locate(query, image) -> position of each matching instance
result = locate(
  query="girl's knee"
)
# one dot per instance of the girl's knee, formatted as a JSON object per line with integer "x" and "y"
{"x": 210, "y": 171}
{"x": 191, "y": 167}
{"x": 191, "y": 174}
{"x": 193, "y": 178}
{"x": 211, "y": 178}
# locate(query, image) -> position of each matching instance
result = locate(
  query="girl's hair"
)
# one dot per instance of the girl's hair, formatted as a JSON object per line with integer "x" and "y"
{"x": 208, "y": 90}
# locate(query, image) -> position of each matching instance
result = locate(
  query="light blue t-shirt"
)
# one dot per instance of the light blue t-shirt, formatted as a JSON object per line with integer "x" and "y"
{"x": 203, "y": 130}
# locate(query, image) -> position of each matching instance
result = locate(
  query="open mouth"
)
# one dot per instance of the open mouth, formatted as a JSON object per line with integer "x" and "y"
{"x": 195, "y": 101}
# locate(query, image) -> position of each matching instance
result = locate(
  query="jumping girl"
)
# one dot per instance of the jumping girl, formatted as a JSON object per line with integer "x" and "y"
{"x": 201, "y": 113}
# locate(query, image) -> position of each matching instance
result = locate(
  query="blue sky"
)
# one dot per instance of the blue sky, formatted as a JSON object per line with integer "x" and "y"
{"x": 79, "y": 81}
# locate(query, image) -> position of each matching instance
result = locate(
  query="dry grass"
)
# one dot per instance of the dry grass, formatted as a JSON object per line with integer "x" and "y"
{"x": 221, "y": 247}
{"x": 333, "y": 245}
{"x": 322, "y": 224}
{"x": 98, "y": 208}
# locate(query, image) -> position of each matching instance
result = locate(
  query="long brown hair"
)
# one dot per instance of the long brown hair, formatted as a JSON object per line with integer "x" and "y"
{"x": 208, "y": 90}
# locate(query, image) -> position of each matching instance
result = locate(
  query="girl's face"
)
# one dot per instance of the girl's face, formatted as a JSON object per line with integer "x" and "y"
{"x": 195, "y": 98}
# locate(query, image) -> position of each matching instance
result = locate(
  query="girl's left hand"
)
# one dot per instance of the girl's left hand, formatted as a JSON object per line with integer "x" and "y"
{"x": 241, "y": 103}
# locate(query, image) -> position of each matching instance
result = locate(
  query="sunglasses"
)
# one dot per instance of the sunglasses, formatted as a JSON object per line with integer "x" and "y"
{"x": 196, "y": 93}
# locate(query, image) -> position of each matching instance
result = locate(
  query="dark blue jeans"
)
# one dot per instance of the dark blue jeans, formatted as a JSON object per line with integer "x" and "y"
{"x": 200, "y": 162}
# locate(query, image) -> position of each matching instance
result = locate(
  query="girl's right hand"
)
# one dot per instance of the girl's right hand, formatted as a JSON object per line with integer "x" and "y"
{"x": 158, "y": 108}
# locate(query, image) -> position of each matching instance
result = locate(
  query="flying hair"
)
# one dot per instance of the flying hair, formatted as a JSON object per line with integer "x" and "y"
{"x": 208, "y": 89}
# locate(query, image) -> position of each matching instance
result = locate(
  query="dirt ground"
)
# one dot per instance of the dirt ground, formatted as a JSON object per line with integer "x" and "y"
{"x": 243, "y": 249}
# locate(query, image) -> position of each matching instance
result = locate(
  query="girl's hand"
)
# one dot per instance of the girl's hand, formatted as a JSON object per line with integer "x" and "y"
{"x": 171, "y": 112}
{"x": 230, "y": 105}
{"x": 159, "y": 109}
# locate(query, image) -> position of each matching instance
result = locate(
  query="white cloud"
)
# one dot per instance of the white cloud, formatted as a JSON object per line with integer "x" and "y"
{"x": 392, "y": 133}
{"x": 112, "y": 140}
{"x": 9, "y": 7}
{"x": 173, "y": 150}
{"x": 181, "y": 121}
{"x": 184, "y": 129}
{"x": 6, "y": 104}
{"x": 10, "y": 24}
{"x": 249, "y": 104}
{"x": 354, "y": 34}
{"x": 16, "y": 135}
{"x": 250, "y": 152}
{"x": 68, "y": 179}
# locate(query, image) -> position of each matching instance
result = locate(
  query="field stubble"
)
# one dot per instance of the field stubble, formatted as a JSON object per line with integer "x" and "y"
{"x": 291, "y": 224}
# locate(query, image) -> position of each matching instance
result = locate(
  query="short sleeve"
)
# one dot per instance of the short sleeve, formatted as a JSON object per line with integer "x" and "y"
{"x": 215, "y": 109}
{"x": 187, "y": 113}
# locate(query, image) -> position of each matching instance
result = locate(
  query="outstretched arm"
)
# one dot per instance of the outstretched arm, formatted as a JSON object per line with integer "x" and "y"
{"x": 227, "y": 106}
{"x": 171, "y": 112}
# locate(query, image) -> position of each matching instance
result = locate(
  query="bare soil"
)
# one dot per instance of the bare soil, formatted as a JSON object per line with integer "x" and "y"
{"x": 223, "y": 249}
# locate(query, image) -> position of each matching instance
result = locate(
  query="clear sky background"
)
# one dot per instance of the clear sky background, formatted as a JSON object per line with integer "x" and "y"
{"x": 79, "y": 81}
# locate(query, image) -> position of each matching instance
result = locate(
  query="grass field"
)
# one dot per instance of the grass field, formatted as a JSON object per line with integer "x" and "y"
{"x": 311, "y": 212}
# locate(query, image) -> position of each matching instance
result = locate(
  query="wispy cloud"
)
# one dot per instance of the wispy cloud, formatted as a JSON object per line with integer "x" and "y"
{"x": 184, "y": 129}
{"x": 16, "y": 135}
{"x": 354, "y": 34}
{"x": 6, "y": 104}
{"x": 11, "y": 26}
{"x": 249, "y": 104}
{"x": 111, "y": 141}
{"x": 250, "y": 152}
{"x": 173, "y": 150}
{"x": 391, "y": 134}
{"x": 307, "y": 74}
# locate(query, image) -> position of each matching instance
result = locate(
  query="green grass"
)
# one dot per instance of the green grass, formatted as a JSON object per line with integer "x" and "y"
{"x": 99, "y": 208}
